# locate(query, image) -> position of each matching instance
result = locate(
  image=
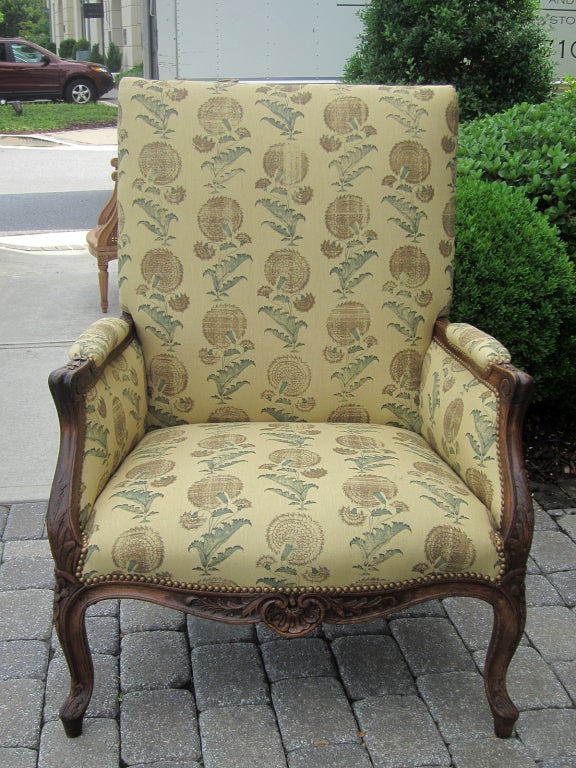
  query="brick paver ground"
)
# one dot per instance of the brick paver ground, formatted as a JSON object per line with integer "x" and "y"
{"x": 173, "y": 691}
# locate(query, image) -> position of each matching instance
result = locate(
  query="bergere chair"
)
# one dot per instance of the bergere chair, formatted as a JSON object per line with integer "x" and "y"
{"x": 284, "y": 426}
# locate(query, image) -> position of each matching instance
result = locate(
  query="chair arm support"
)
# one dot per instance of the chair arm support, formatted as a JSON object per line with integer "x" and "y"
{"x": 100, "y": 397}
{"x": 472, "y": 407}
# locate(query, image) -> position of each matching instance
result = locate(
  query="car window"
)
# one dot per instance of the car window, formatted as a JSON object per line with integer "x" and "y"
{"x": 2, "y": 51}
{"x": 25, "y": 54}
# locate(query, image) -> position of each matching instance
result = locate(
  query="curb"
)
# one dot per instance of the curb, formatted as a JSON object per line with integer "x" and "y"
{"x": 45, "y": 242}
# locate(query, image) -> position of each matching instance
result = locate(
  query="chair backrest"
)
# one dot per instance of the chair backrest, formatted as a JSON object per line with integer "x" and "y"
{"x": 285, "y": 249}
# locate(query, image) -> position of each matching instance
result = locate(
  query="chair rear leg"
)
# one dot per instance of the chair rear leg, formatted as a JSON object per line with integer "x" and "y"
{"x": 509, "y": 620}
{"x": 71, "y": 629}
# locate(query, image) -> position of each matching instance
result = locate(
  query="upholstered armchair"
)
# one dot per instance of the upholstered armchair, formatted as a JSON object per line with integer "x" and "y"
{"x": 284, "y": 426}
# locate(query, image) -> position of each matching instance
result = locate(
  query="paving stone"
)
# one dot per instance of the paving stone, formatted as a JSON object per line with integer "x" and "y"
{"x": 206, "y": 632}
{"x": 302, "y": 657}
{"x": 568, "y": 524}
{"x": 565, "y": 583}
{"x": 372, "y": 666}
{"x": 253, "y": 727}
{"x": 550, "y": 496}
{"x": 103, "y": 634}
{"x": 458, "y": 704}
{"x": 531, "y": 682}
{"x": 313, "y": 711}
{"x": 27, "y": 573}
{"x": 373, "y": 627}
{"x": 154, "y": 660}
{"x": 472, "y": 618}
{"x": 553, "y": 551}
{"x": 552, "y": 630}
{"x": 26, "y": 521}
{"x": 104, "y": 608}
{"x": 18, "y": 758}
{"x": 431, "y": 608}
{"x": 228, "y": 675}
{"x": 104, "y": 701}
{"x": 23, "y": 658}
{"x": 548, "y": 733}
{"x": 20, "y": 712}
{"x": 26, "y": 614}
{"x": 3, "y": 518}
{"x": 493, "y": 752}
{"x": 331, "y": 756}
{"x": 559, "y": 762}
{"x": 400, "y": 733}
{"x": 566, "y": 671}
{"x": 37, "y": 548}
{"x": 540, "y": 590}
{"x": 543, "y": 521}
{"x": 431, "y": 645}
{"x": 139, "y": 615}
{"x": 158, "y": 725}
{"x": 169, "y": 764}
{"x": 97, "y": 747}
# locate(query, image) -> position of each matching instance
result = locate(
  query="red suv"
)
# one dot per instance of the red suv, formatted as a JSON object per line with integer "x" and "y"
{"x": 28, "y": 71}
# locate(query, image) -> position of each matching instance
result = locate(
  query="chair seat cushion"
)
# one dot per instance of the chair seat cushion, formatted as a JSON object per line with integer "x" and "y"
{"x": 287, "y": 506}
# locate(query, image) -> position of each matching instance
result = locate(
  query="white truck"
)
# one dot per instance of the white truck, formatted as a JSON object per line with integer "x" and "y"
{"x": 284, "y": 39}
{"x": 249, "y": 39}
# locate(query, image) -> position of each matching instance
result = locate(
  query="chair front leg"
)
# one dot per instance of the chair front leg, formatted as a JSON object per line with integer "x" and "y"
{"x": 69, "y": 619}
{"x": 509, "y": 621}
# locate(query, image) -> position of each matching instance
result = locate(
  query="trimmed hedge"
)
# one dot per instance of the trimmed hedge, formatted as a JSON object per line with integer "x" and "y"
{"x": 513, "y": 279}
{"x": 533, "y": 147}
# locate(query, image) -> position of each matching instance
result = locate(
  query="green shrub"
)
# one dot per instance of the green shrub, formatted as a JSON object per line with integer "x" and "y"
{"x": 513, "y": 279}
{"x": 67, "y": 48}
{"x": 494, "y": 51}
{"x": 114, "y": 58}
{"x": 95, "y": 54}
{"x": 531, "y": 146}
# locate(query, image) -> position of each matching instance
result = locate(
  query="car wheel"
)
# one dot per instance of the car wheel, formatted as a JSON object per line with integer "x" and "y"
{"x": 80, "y": 91}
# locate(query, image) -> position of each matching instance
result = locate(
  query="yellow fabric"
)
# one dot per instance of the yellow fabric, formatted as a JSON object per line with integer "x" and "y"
{"x": 460, "y": 417}
{"x": 482, "y": 349}
{"x": 99, "y": 340}
{"x": 287, "y": 506}
{"x": 285, "y": 249}
{"x": 114, "y": 409}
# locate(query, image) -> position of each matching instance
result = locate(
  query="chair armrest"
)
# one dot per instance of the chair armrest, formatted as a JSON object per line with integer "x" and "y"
{"x": 472, "y": 407}
{"x": 101, "y": 401}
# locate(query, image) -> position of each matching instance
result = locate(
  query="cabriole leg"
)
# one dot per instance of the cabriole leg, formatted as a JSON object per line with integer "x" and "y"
{"x": 509, "y": 621}
{"x": 70, "y": 626}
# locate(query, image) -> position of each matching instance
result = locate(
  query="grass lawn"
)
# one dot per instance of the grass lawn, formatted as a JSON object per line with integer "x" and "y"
{"x": 42, "y": 117}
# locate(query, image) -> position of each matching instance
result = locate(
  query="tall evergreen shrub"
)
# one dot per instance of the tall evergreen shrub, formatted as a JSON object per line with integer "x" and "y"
{"x": 495, "y": 52}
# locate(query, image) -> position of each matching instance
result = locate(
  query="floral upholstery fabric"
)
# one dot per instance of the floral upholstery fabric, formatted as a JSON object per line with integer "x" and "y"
{"x": 287, "y": 506}
{"x": 285, "y": 250}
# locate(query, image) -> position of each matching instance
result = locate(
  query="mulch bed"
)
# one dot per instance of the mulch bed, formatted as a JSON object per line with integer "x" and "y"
{"x": 550, "y": 445}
